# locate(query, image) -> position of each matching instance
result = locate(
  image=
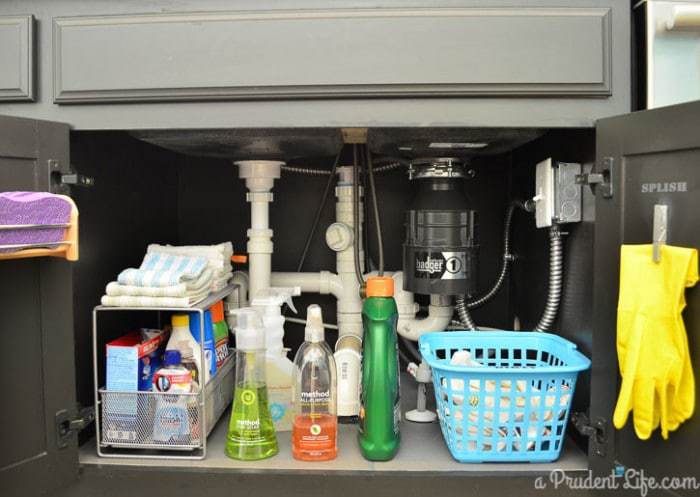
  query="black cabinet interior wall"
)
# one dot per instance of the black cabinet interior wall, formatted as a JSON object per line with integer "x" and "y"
{"x": 146, "y": 194}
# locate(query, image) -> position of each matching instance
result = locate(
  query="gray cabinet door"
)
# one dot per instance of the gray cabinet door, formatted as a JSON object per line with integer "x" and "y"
{"x": 655, "y": 157}
{"x": 37, "y": 370}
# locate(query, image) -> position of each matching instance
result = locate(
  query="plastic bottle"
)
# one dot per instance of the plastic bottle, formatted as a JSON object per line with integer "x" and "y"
{"x": 174, "y": 420}
{"x": 189, "y": 363}
{"x": 220, "y": 333}
{"x": 173, "y": 377}
{"x": 380, "y": 411}
{"x": 315, "y": 432}
{"x": 182, "y": 340}
{"x": 209, "y": 348}
{"x": 279, "y": 368}
{"x": 251, "y": 434}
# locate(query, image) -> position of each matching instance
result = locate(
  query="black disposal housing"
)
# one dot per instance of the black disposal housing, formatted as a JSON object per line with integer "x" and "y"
{"x": 440, "y": 250}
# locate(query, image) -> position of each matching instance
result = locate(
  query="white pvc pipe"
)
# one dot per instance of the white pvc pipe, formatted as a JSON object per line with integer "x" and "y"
{"x": 259, "y": 214}
{"x": 259, "y": 176}
{"x": 439, "y": 317}
{"x": 323, "y": 282}
{"x": 260, "y": 265}
{"x": 349, "y": 309}
{"x": 328, "y": 326}
{"x": 239, "y": 297}
{"x": 260, "y": 246}
{"x": 440, "y": 312}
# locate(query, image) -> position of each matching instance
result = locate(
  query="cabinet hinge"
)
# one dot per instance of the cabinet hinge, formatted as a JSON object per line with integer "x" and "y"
{"x": 62, "y": 177}
{"x": 596, "y": 431}
{"x": 600, "y": 178}
{"x": 68, "y": 423}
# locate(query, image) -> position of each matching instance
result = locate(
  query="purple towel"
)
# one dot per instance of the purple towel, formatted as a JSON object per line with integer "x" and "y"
{"x": 32, "y": 208}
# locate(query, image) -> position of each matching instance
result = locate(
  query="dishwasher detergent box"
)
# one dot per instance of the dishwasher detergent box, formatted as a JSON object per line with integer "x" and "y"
{"x": 132, "y": 361}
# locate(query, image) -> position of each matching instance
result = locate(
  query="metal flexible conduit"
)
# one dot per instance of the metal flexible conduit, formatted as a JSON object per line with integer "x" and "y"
{"x": 556, "y": 279}
{"x": 388, "y": 167}
{"x": 466, "y": 318}
{"x": 461, "y": 304}
{"x": 310, "y": 171}
{"x": 306, "y": 170}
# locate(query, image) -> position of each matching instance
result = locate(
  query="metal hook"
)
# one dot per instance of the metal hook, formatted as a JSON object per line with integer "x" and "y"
{"x": 660, "y": 230}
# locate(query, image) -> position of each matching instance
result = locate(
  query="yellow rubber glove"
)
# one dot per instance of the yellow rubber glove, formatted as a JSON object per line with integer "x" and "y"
{"x": 684, "y": 403}
{"x": 652, "y": 345}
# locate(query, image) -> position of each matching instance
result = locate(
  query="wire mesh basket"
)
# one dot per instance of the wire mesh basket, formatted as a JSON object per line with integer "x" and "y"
{"x": 151, "y": 420}
{"x": 164, "y": 421}
{"x": 511, "y": 401}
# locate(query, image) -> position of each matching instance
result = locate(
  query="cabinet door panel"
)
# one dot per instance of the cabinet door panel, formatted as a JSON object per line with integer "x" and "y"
{"x": 37, "y": 372}
{"x": 16, "y": 58}
{"x": 655, "y": 156}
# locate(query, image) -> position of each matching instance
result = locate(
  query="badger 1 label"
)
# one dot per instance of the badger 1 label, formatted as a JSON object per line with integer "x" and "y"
{"x": 441, "y": 265}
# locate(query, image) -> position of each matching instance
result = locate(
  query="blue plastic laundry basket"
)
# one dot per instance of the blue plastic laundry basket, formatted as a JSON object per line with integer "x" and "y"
{"x": 512, "y": 403}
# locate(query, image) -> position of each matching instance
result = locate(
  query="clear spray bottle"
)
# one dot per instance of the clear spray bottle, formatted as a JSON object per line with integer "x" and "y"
{"x": 315, "y": 430}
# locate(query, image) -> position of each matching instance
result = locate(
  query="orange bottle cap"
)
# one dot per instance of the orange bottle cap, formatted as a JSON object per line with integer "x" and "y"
{"x": 380, "y": 286}
{"x": 217, "y": 311}
{"x": 239, "y": 259}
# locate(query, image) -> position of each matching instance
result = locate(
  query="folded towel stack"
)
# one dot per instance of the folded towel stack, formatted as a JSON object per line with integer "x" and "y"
{"x": 172, "y": 277}
{"x": 218, "y": 259}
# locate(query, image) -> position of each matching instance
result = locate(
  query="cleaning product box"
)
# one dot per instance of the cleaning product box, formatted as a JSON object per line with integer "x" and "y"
{"x": 132, "y": 360}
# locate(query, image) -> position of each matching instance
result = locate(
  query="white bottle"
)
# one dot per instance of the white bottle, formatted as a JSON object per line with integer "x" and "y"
{"x": 182, "y": 340}
{"x": 173, "y": 377}
{"x": 175, "y": 420}
{"x": 278, "y": 367}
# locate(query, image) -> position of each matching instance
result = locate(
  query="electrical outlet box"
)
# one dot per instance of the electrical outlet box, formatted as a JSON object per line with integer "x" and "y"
{"x": 557, "y": 195}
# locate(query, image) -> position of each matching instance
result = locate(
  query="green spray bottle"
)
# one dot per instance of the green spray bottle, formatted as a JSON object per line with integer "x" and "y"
{"x": 380, "y": 410}
{"x": 251, "y": 434}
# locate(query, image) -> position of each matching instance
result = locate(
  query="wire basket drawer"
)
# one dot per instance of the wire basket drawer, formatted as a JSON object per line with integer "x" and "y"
{"x": 512, "y": 402}
{"x": 151, "y": 420}
{"x": 164, "y": 421}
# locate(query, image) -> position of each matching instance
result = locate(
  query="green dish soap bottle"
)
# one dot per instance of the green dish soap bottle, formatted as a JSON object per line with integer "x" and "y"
{"x": 251, "y": 434}
{"x": 380, "y": 410}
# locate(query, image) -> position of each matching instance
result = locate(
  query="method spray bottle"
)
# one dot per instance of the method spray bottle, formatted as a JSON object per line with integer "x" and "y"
{"x": 314, "y": 435}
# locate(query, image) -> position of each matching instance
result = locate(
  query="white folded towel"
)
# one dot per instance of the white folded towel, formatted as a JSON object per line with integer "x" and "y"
{"x": 159, "y": 269}
{"x": 143, "y": 301}
{"x": 193, "y": 287}
{"x": 220, "y": 282}
{"x": 218, "y": 256}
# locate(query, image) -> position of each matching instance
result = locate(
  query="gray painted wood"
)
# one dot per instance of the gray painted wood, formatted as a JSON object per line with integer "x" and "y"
{"x": 447, "y": 110}
{"x": 37, "y": 375}
{"x": 341, "y": 53}
{"x": 16, "y": 58}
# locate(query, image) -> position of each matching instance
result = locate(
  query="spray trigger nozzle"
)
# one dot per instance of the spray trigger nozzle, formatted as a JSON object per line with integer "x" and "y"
{"x": 290, "y": 304}
{"x": 275, "y": 297}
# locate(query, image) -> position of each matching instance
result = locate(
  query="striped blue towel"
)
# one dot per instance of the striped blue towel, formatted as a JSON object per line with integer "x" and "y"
{"x": 158, "y": 269}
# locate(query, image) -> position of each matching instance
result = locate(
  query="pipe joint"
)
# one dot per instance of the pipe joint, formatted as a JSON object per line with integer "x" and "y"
{"x": 259, "y": 197}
